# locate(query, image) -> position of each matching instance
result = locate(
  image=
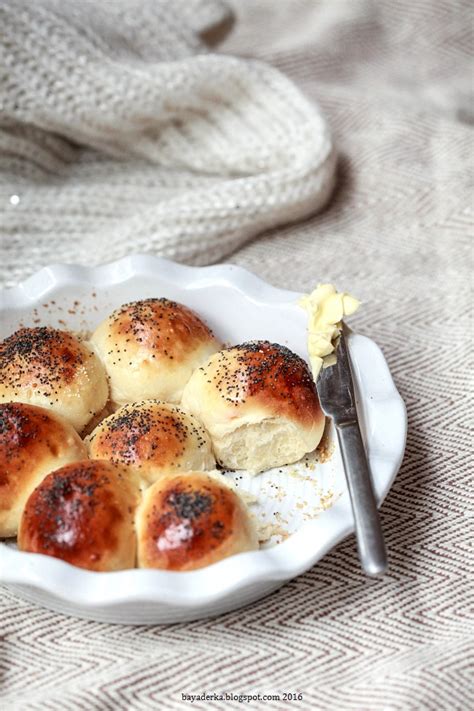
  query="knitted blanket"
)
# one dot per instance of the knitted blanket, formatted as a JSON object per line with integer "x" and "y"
{"x": 120, "y": 131}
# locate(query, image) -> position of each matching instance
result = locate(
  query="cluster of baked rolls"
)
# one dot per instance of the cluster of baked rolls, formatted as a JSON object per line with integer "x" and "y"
{"x": 109, "y": 448}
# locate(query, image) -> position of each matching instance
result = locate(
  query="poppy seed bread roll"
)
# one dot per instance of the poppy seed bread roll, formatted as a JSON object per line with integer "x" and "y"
{"x": 53, "y": 369}
{"x": 150, "y": 349}
{"x": 152, "y": 438}
{"x": 191, "y": 520}
{"x": 33, "y": 442}
{"x": 259, "y": 404}
{"x": 83, "y": 513}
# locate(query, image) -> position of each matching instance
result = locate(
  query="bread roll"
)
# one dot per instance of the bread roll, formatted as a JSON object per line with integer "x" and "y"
{"x": 152, "y": 438}
{"x": 33, "y": 442}
{"x": 150, "y": 349}
{"x": 51, "y": 368}
{"x": 187, "y": 521}
{"x": 259, "y": 403}
{"x": 83, "y": 513}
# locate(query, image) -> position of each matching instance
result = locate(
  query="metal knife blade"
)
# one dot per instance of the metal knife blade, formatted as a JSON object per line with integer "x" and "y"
{"x": 335, "y": 387}
{"x": 336, "y": 395}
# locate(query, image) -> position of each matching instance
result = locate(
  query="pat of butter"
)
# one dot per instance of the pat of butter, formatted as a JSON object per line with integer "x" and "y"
{"x": 326, "y": 309}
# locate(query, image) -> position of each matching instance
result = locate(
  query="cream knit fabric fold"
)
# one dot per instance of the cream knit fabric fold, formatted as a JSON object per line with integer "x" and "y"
{"x": 120, "y": 132}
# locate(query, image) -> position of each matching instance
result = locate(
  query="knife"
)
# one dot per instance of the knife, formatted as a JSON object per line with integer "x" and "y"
{"x": 336, "y": 395}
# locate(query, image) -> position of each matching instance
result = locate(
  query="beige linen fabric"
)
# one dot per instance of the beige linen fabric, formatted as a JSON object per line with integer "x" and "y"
{"x": 393, "y": 78}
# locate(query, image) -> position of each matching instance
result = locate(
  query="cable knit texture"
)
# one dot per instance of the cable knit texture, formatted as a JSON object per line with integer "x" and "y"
{"x": 120, "y": 132}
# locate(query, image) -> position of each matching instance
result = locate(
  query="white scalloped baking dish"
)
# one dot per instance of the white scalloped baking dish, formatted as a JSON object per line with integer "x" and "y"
{"x": 308, "y": 503}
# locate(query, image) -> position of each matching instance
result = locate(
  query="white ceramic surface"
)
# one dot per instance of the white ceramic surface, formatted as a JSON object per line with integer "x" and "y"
{"x": 307, "y": 504}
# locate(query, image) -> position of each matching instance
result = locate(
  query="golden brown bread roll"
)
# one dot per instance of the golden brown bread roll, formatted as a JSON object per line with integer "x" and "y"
{"x": 188, "y": 521}
{"x": 33, "y": 442}
{"x": 51, "y": 368}
{"x": 152, "y": 438}
{"x": 83, "y": 513}
{"x": 259, "y": 403}
{"x": 150, "y": 348}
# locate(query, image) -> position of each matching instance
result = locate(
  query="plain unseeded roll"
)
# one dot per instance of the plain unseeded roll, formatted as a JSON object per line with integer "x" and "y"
{"x": 83, "y": 513}
{"x": 150, "y": 349}
{"x": 152, "y": 438}
{"x": 259, "y": 403}
{"x": 187, "y": 521}
{"x": 33, "y": 442}
{"x": 53, "y": 369}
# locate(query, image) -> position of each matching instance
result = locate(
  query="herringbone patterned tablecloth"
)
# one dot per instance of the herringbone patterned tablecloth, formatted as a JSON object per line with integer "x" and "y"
{"x": 393, "y": 79}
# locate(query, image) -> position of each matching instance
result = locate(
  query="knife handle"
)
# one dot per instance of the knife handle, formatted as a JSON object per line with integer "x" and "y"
{"x": 370, "y": 542}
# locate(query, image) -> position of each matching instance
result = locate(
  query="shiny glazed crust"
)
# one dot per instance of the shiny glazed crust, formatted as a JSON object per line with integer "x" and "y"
{"x": 83, "y": 513}
{"x": 152, "y": 438}
{"x": 260, "y": 374}
{"x": 189, "y": 521}
{"x": 150, "y": 349}
{"x": 48, "y": 367}
{"x": 259, "y": 403}
{"x": 33, "y": 442}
